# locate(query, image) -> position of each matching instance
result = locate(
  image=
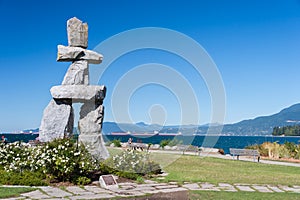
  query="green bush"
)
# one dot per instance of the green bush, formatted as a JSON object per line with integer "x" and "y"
{"x": 130, "y": 164}
{"x": 117, "y": 143}
{"x": 62, "y": 159}
{"x": 164, "y": 143}
{"x": 25, "y": 178}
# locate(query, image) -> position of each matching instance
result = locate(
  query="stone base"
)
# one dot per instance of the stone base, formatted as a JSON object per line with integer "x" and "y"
{"x": 95, "y": 145}
{"x": 57, "y": 121}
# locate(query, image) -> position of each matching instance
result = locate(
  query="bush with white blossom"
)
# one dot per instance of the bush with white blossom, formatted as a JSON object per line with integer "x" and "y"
{"x": 62, "y": 159}
{"x": 135, "y": 162}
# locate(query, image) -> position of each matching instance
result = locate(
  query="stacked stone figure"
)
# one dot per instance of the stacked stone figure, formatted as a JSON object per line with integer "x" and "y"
{"x": 58, "y": 118}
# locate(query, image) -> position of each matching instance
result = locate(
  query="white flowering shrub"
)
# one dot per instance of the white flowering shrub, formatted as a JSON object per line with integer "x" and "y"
{"x": 62, "y": 159}
{"x": 135, "y": 162}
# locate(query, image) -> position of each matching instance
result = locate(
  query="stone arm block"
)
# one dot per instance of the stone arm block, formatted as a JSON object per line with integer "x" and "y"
{"x": 79, "y": 93}
{"x": 67, "y": 53}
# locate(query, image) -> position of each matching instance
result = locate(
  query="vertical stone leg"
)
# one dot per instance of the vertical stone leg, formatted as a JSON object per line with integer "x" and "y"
{"x": 57, "y": 121}
{"x": 90, "y": 126}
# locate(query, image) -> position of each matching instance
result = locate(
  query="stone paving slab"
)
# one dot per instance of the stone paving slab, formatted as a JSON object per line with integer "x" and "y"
{"x": 275, "y": 189}
{"x": 78, "y": 190}
{"x": 245, "y": 188}
{"x": 93, "y": 196}
{"x": 208, "y": 186}
{"x": 290, "y": 189}
{"x": 169, "y": 190}
{"x": 35, "y": 195}
{"x": 166, "y": 186}
{"x": 227, "y": 187}
{"x": 260, "y": 188}
{"x": 56, "y": 192}
{"x": 96, "y": 189}
{"x": 191, "y": 186}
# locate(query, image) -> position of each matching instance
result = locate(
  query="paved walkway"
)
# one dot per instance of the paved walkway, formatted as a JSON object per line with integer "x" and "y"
{"x": 128, "y": 190}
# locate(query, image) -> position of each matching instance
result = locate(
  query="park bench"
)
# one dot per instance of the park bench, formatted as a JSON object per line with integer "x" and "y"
{"x": 244, "y": 152}
{"x": 188, "y": 148}
{"x": 141, "y": 146}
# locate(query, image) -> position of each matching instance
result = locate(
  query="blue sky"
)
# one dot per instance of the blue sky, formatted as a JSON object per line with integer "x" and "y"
{"x": 254, "y": 44}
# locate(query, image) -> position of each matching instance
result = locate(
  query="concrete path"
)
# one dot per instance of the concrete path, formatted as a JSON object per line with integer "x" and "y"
{"x": 134, "y": 190}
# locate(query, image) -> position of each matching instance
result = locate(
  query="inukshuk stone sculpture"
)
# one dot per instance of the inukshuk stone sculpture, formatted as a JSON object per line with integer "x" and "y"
{"x": 58, "y": 118}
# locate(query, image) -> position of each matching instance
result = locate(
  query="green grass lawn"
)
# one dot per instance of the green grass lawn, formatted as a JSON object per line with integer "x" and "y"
{"x": 212, "y": 195}
{"x": 189, "y": 168}
{"x": 13, "y": 191}
{"x": 214, "y": 170}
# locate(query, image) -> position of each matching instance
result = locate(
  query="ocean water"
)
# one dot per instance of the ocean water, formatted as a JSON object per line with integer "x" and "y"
{"x": 221, "y": 142}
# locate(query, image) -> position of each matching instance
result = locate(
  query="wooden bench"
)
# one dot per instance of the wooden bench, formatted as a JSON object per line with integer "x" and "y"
{"x": 244, "y": 152}
{"x": 188, "y": 148}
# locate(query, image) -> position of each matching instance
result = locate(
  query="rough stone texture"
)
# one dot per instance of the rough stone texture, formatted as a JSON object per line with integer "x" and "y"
{"x": 57, "y": 121}
{"x": 66, "y": 53}
{"x": 77, "y": 74}
{"x": 90, "y": 126}
{"x": 79, "y": 93}
{"x": 91, "y": 118}
{"x": 95, "y": 145}
{"x": 77, "y": 33}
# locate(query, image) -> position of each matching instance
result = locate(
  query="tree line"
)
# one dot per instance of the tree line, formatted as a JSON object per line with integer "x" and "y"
{"x": 287, "y": 130}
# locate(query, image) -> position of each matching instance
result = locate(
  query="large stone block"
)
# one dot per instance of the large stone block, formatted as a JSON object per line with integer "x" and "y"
{"x": 79, "y": 93}
{"x": 77, "y": 74}
{"x": 95, "y": 146}
{"x": 77, "y": 33}
{"x": 77, "y": 53}
{"x": 57, "y": 121}
{"x": 90, "y": 126}
{"x": 90, "y": 118}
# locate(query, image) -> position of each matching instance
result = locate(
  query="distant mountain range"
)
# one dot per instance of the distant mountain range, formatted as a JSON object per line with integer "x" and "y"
{"x": 259, "y": 126}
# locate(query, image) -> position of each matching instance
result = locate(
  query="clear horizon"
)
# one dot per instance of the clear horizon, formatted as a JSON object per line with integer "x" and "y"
{"x": 255, "y": 46}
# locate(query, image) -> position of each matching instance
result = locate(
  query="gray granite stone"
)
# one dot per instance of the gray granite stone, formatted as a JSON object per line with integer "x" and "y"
{"x": 245, "y": 188}
{"x": 261, "y": 188}
{"x": 56, "y": 192}
{"x": 227, "y": 187}
{"x": 95, "y": 146}
{"x": 77, "y": 74}
{"x": 289, "y": 189}
{"x": 57, "y": 121}
{"x": 79, "y": 93}
{"x": 35, "y": 195}
{"x": 78, "y": 191}
{"x": 191, "y": 186}
{"x": 93, "y": 196}
{"x": 77, "y": 33}
{"x": 96, "y": 189}
{"x": 275, "y": 189}
{"x": 72, "y": 54}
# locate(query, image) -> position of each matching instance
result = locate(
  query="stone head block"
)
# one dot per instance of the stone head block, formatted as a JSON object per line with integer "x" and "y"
{"x": 77, "y": 33}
